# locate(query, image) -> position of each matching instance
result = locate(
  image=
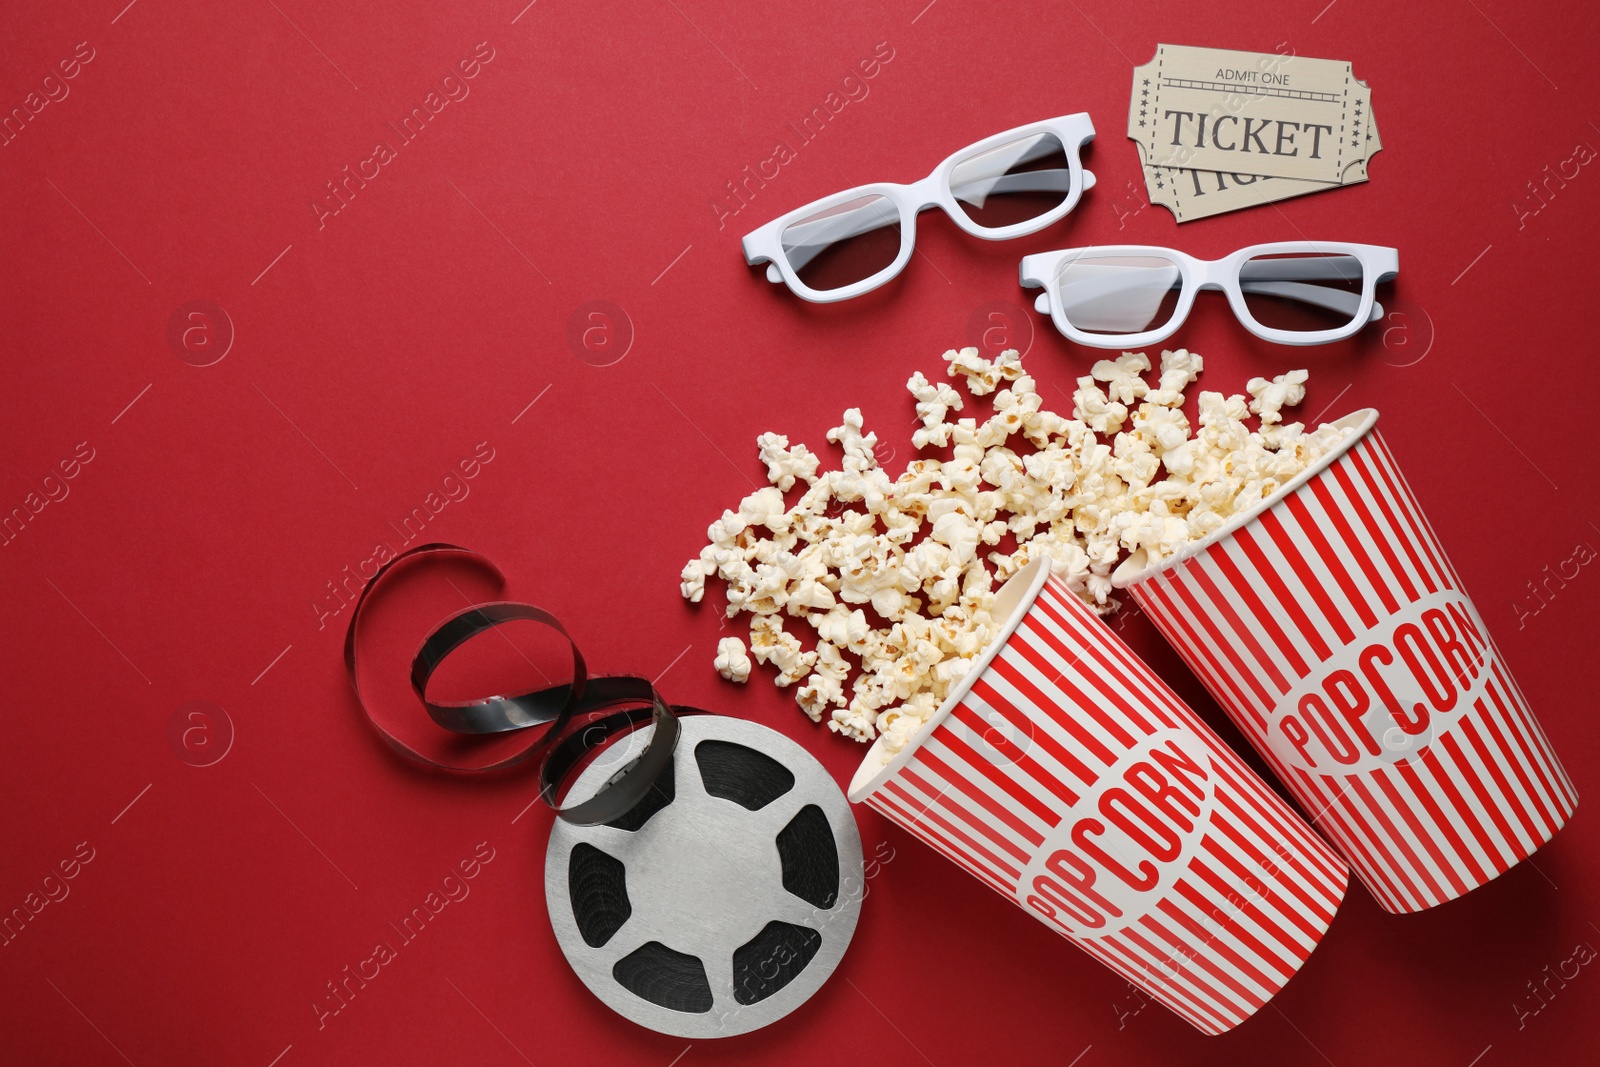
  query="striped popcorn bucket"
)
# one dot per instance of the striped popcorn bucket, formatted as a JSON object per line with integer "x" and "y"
{"x": 1066, "y": 776}
{"x": 1330, "y": 625}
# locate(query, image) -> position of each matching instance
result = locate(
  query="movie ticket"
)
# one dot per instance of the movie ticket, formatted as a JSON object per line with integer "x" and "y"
{"x": 1282, "y": 115}
{"x": 1191, "y": 193}
{"x": 1220, "y": 130}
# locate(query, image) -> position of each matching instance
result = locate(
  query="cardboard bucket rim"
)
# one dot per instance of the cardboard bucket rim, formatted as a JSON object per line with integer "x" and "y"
{"x": 1025, "y": 585}
{"x": 1135, "y": 569}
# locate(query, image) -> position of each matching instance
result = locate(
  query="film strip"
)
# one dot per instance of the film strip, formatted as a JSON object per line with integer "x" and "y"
{"x": 708, "y": 887}
{"x": 564, "y": 723}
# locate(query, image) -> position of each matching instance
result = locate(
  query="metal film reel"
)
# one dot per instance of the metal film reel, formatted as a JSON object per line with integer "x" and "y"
{"x": 722, "y": 901}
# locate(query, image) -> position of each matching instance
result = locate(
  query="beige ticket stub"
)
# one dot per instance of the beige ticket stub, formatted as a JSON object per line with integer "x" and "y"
{"x": 1190, "y": 193}
{"x": 1215, "y": 109}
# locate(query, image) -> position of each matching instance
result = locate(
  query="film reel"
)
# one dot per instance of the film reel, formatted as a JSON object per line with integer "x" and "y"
{"x": 721, "y": 902}
{"x": 704, "y": 874}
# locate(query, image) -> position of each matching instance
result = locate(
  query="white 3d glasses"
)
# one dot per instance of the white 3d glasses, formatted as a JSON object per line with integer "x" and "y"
{"x": 1014, "y": 183}
{"x": 1290, "y": 292}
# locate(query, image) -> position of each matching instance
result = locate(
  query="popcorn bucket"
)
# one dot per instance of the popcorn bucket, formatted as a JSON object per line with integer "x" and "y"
{"x": 1065, "y": 775}
{"x": 1329, "y": 623}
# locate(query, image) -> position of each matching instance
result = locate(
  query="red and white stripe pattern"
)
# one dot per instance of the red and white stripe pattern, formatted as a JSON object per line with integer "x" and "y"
{"x": 1311, "y": 590}
{"x": 1001, "y": 784}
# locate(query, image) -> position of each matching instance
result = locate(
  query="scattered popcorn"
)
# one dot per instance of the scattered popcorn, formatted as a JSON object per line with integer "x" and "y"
{"x": 785, "y": 464}
{"x": 1285, "y": 390}
{"x": 858, "y": 455}
{"x": 1090, "y": 404}
{"x": 732, "y": 663}
{"x": 693, "y": 585}
{"x": 934, "y": 402}
{"x": 981, "y": 374}
{"x": 1124, "y": 376}
{"x": 770, "y": 644}
{"x": 896, "y": 578}
{"x": 1179, "y": 370}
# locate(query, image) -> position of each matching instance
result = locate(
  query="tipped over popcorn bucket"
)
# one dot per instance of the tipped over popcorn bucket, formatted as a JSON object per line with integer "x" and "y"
{"x": 1330, "y": 625}
{"x": 1065, "y": 775}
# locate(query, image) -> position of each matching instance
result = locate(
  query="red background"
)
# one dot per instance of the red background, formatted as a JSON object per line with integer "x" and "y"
{"x": 376, "y": 352}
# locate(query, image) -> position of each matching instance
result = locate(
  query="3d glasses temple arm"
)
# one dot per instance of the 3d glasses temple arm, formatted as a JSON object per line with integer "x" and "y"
{"x": 975, "y": 191}
{"x": 1304, "y": 268}
{"x": 804, "y": 241}
{"x": 1332, "y": 299}
{"x": 1082, "y": 292}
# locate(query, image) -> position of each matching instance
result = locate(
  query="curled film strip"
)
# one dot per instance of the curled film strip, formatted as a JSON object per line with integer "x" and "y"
{"x": 706, "y": 889}
{"x": 576, "y": 717}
